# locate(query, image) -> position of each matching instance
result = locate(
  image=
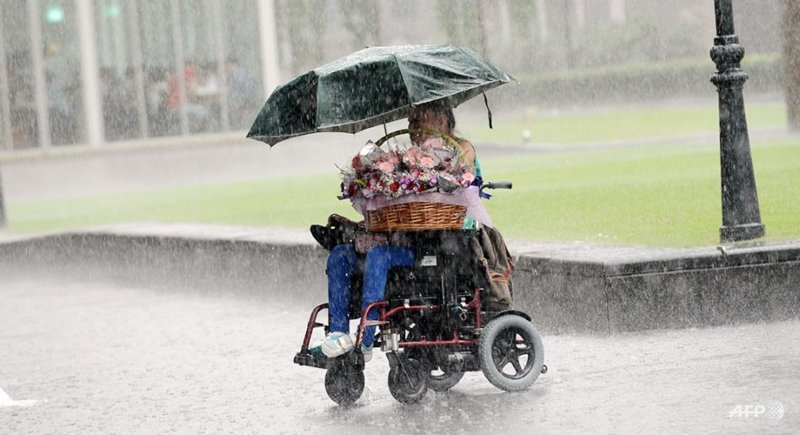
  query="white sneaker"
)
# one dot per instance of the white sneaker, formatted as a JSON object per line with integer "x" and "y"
{"x": 335, "y": 344}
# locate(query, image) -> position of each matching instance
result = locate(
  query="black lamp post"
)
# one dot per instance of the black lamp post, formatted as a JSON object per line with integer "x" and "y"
{"x": 741, "y": 219}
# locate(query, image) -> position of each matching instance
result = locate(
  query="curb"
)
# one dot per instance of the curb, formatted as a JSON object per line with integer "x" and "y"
{"x": 564, "y": 287}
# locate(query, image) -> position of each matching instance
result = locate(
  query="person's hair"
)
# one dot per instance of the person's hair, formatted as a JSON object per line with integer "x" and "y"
{"x": 442, "y": 107}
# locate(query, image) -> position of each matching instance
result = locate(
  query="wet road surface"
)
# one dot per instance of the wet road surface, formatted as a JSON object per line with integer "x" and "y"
{"x": 101, "y": 358}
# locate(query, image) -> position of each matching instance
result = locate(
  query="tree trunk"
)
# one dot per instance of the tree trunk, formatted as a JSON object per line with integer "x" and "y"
{"x": 570, "y": 55}
{"x": 2, "y": 205}
{"x": 482, "y": 38}
{"x": 541, "y": 19}
{"x": 505, "y": 22}
{"x": 616, "y": 11}
{"x": 579, "y": 8}
{"x": 791, "y": 60}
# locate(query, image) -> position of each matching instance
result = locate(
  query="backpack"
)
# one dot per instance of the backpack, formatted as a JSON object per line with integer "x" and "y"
{"x": 492, "y": 253}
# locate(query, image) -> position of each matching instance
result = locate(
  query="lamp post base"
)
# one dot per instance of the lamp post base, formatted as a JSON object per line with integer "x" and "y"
{"x": 741, "y": 232}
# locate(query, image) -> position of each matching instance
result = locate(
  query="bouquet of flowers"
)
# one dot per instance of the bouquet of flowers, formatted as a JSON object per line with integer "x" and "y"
{"x": 432, "y": 166}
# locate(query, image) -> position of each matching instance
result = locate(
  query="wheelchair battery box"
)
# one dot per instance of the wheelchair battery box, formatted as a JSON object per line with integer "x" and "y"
{"x": 443, "y": 253}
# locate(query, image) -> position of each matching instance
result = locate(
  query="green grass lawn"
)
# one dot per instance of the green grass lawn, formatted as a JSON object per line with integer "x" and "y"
{"x": 581, "y": 128}
{"x": 656, "y": 195}
{"x": 660, "y": 196}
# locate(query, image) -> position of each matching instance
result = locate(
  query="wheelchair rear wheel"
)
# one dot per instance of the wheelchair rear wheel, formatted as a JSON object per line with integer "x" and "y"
{"x": 444, "y": 379}
{"x": 511, "y": 353}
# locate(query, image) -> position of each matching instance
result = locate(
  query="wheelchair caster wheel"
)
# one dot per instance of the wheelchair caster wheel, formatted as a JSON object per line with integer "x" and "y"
{"x": 344, "y": 382}
{"x": 408, "y": 381}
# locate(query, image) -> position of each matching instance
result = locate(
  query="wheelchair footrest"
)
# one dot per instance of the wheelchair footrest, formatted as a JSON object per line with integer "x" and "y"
{"x": 306, "y": 358}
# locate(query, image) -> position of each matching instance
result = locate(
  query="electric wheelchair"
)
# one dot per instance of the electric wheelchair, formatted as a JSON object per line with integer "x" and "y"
{"x": 434, "y": 326}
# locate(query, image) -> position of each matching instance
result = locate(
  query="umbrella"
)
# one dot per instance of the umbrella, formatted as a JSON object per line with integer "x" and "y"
{"x": 371, "y": 87}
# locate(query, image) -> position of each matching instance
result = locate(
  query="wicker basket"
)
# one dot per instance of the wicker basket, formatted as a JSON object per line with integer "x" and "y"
{"x": 417, "y": 216}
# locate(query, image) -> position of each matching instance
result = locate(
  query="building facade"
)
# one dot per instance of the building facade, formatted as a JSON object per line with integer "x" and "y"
{"x": 98, "y": 71}
{"x": 95, "y": 71}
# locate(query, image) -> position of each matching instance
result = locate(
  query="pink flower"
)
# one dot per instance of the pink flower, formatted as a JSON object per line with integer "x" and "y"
{"x": 411, "y": 157}
{"x": 427, "y": 161}
{"x": 386, "y": 167}
{"x": 468, "y": 177}
{"x": 392, "y": 157}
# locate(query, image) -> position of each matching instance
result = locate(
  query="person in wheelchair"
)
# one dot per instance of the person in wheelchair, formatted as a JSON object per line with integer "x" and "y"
{"x": 344, "y": 262}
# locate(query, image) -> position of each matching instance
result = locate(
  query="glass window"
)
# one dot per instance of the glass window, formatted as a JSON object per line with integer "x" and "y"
{"x": 62, "y": 71}
{"x": 6, "y": 141}
{"x": 203, "y": 87}
{"x": 155, "y": 25}
{"x": 121, "y": 79}
{"x": 243, "y": 63}
{"x": 19, "y": 74}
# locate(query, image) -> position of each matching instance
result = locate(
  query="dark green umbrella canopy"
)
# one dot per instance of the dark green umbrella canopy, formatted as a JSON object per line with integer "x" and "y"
{"x": 371, "y": 87}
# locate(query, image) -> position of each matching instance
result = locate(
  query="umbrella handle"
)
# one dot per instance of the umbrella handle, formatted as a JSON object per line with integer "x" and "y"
{"x": 447, "y": 138}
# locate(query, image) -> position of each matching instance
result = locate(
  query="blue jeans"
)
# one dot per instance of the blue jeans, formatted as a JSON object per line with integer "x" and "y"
{"x": 342, "y": 264}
